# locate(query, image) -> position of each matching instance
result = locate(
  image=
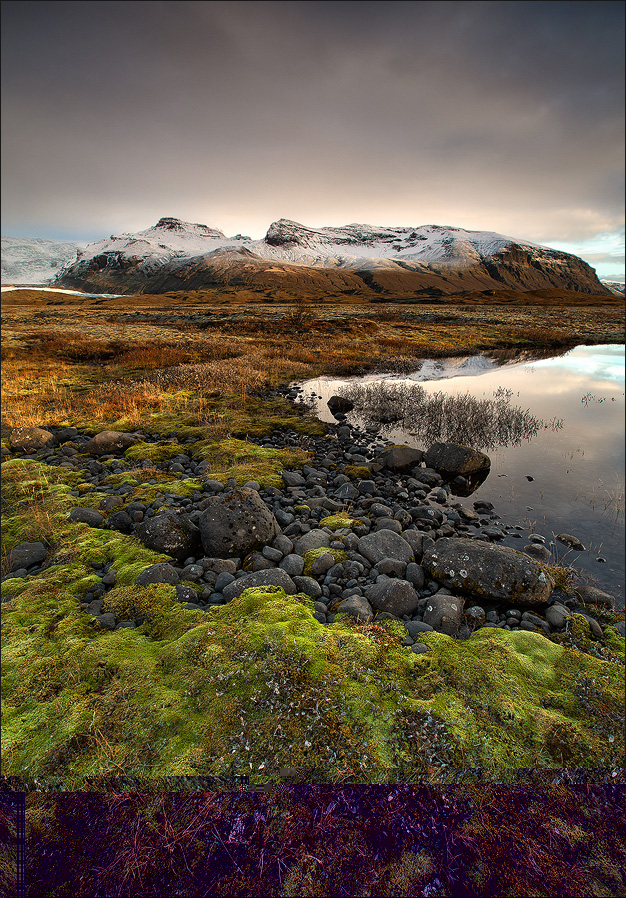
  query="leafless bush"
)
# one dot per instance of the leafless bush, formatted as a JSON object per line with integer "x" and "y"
{"x": 481, "y": 423}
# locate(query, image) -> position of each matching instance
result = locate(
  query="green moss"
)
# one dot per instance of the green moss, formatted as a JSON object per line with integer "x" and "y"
{"x": 357, "y": 472}
{"x": 156, "y": 452}
{"x": 339, "y": 522}
{"x": 309, "y": 557}
{"x": 246, "y": 461}
{"x": 614, "y": 642}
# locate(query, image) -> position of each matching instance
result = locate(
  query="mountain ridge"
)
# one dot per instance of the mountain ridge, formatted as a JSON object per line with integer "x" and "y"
{"x": 360, "y": 258}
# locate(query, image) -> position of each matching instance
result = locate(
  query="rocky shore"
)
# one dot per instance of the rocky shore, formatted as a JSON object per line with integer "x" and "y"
{"x": 367, "y": 529}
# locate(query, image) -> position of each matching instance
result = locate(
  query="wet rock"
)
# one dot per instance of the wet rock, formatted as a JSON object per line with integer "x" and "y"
{"x": 487, "y": 571}
{"x": 385, "y": 544}
{"x": 30, "y": 439}
{"x": 413, "y": 627}
{"x": 451, "y": 459}
{"x": 591, "y": 595}
{"x": 110, "y": 442}
{"x": 395, "y": 596}
{"x": 572, "y": 541}
{"x": 475, "y": 616}
{"x": 172, "y": 534}
{"x": 444, "y": 613}
{"x": 161, "y": 572}
{"x": 340, "y": 404}
{"x": 401, "y": 458}
{"x": 236, "y": 524}
{"x": 275, "y": 577}
{"x": 594, "y": 626}
{"x": 106, "y": 620}
{"x": 537, "y": 550}
{"x": 26, "y": 555}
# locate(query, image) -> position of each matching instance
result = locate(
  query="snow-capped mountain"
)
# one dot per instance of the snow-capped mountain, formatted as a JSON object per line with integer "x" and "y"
{"x": 34, "y": 260}
{"x": 175, "y": 255}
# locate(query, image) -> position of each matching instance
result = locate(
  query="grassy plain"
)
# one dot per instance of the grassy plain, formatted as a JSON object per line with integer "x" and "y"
{"x": 162, "y": 701}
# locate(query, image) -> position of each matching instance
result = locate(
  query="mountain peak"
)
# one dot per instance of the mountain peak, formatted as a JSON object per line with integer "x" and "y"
{"x": 176, "y": 226}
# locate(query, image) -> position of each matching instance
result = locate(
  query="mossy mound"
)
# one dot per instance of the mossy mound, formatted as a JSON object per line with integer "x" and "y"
{"x": 159, "y": 452}
{"x": 258, "y": 684}
{"x": 245, "y": 461}
{"x": 357, "y": 472}
{"x": 339, "y": 522}
{"x": 309, "y": 557}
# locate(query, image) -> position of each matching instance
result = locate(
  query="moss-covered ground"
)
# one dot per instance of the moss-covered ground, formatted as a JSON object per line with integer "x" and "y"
{"x": 259, "y": 685}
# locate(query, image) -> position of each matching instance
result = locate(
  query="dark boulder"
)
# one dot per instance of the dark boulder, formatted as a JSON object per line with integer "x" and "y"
{"x": 444, "y": 613}
{"x": 30, "y": 439}
{"x": 161, "y": 572}
{"x": 275, "y": 577}
{"x": 110, "y": 442}
{"x": 171, "y": 534}
{"x": 236, "y": 524}
{"x": 340, "y": 404}
{"x": 26, "y": 555}
{"x": 488, "y": 571}
{"x": 385, "y": 544}
{"x": 87, "y": 516}
{"x": 452, "y": 460}
{"x": 400, "y": 458}
{"x": 393, "y": 595}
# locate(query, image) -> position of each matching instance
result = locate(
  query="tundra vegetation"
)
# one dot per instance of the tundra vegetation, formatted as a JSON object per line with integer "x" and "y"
{"x": 258, "y": 688}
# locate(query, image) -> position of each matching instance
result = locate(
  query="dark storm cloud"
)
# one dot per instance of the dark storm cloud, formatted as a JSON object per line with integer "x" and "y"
{"x": 498, "y": 116}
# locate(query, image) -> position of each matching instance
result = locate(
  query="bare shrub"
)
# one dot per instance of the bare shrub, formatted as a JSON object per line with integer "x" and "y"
{"x": 481, "y": 423}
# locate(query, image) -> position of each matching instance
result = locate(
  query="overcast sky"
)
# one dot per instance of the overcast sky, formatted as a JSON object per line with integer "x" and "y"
{"x": 497, "y": 116}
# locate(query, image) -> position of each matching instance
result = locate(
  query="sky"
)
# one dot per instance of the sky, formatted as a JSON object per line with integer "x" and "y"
{"x": 495, "y": 116}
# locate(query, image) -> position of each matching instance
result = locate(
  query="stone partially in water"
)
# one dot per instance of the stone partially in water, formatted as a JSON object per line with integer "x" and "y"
{"x": 452, "y": 460}
{"x": 487, "y": 571}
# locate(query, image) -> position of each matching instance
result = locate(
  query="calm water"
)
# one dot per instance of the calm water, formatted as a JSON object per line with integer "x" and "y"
{"x": 577, "y": 468}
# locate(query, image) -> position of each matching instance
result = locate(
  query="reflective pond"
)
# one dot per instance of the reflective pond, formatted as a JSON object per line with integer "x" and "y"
{"x": 553, "y": 428}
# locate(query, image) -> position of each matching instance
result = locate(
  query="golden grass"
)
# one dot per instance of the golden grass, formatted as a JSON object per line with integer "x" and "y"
{"x": 88, "y": 364}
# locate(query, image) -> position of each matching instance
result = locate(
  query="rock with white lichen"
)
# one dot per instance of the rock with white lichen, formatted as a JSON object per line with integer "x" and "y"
{"x": 487, "y": 571}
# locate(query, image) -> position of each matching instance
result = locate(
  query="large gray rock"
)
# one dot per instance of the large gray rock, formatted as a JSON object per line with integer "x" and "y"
{"x": 30, "y": 439}
{"x": 385, "y": 544}
{"x": 444, "y": 613}
{"x": 275, "y": 577}
{"x": 450, "y": 459}
{"x": 486, "y": 570}
{"x": 172, "y": 534}
{"x": 236, "y": 524}
{"x": 110, "y": 442}
{"x": 314, "y": 539}
{"x": 357, "y": 607}
{"x": 26, "y": 555}
{"x": 395, "y": 596}
{"x": 557, "y": 615}
{"x": 400, "y": 458}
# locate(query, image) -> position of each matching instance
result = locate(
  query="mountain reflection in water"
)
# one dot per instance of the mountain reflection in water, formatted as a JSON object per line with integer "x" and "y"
{"x": 559, "y": 468}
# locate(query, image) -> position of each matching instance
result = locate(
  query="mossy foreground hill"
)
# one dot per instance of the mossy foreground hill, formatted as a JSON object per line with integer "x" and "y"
{"x": 259, "y": 686}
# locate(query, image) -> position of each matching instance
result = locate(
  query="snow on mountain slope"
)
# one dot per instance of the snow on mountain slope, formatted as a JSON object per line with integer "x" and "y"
{"x": 386, "y": 260}
{"x": 34, "y": 260}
